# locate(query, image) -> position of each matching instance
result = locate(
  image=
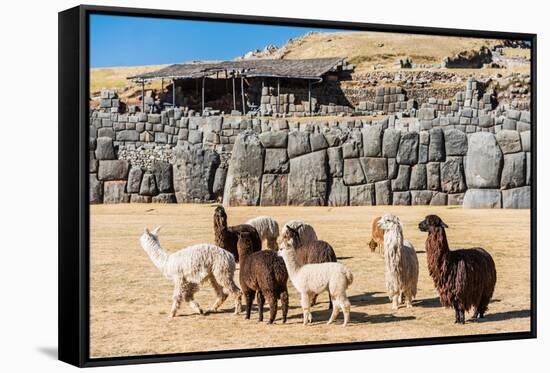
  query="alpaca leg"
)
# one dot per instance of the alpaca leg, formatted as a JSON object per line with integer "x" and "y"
{"x": 176, "y": 297}
{"x": 314, "y": 300}
{"x": 229, "y": 287}
{"x": 408, "y": 300}
{"x": 272, "y": 301}
{"x": 335, "y": 312}
{"x": 457, "y": 315}
{"x": 346, "y": 307}
{"x": 220, "y": 295}
{"x": 284, "y": 304}
{"x": 483, "y": 306}
{"x": 188, "y": 296}
{"x": 306, "y": 301}
{"x": 395, "y": 302}
{"x": 260, "y": 299}
{"x": 462, "y": 317}
{"x": 249, "y": 298}
{"x": 330, "y": 305}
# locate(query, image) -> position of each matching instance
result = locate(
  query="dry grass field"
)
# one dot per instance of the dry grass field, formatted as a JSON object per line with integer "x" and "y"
{"x": 130, "y": 299}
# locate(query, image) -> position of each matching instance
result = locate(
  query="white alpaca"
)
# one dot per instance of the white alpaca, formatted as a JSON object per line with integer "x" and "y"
{"x": 267, "y": 228}
{"x": 313, "y": 279}
{"x": 190, "y": 267}
{"x": 401, "y": 262}
{"x": 306, "y": 231}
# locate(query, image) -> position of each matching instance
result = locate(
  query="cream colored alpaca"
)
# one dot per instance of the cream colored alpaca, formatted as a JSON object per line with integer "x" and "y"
{"x": 313, "y": 279}
{"x": 192, "y": 266}
{"x": 401, "y": 262}
{"x": 306, "y": 231}
{"x": 267, "y": 228}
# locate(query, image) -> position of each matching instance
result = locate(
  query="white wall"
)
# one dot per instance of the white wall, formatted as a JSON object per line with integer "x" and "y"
{"x": 28, "y": 314}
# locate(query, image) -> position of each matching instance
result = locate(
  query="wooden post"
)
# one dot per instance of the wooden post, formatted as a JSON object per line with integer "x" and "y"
{"x": 173, "y": 93}
{"x": 309, "y": 95}
{"x": 234, "y": 99}
{"x": 202, "y": 100}
{"x": 143, "y": 95}
{"x": 242, "y": 94}
{"x": 278, "y": 94}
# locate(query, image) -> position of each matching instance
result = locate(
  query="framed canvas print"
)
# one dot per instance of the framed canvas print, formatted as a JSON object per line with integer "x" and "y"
{"x": 234, "y": 186}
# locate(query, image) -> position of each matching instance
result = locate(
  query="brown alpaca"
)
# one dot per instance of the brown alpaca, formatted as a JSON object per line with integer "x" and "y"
{"x": 263, "y": 272}
{"x": 377, "y": 236}
{"x": 227, "y": 237}
{"x": 313, "y": 252}
{"x": 464, "y": 278}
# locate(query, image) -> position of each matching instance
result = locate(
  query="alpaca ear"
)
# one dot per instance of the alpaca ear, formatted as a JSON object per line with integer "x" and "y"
{"x": 146, "y": 231}
{"x": 155, "y": 231}
{"x": 444, "y": 225}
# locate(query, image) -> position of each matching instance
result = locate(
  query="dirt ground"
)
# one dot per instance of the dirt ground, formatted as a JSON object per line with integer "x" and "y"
{"x": 130, "y": 298}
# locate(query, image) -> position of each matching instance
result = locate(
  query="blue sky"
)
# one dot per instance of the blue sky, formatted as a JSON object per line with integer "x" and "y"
{"x": 134, "y": 41}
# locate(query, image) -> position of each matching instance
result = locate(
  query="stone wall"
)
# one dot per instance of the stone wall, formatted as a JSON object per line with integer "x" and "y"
{"x": 477, "y": 156}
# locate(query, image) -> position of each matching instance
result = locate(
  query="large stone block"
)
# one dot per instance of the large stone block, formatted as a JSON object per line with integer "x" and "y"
{"x": 436, "y": 152}
{"x": 455, "y": 199}
{"x": 421, "y": 197}
{"x": 127, "y": 135}
{"x": 383, "y": 192}
{"x": 375, "y": 169}
{"x": 243, "y": 182}
{"x": 362, "y": 195}
{"x": 115, "y": 192}
{"x": 438, "y": 199}
{"x": 96, "y": 189}
{"x": 134, "y": 179}
{"x": 401, "y": 183}
{"x": 482, "y": 199}
{"x": 105, "y": 149}
{"x": 148, "y": 185}
{"x": 513, "y": 171}
{"x": 390, "y": 143}
{"x": 298, "y": 143}
{"x": 526, "y": 141}
{"x": 274, "y": 190}
{"x": 452, "y": 175}
{"x": 307, "y": 180}
{"x": 456, "y": 142}
{"x": 372, "y": 141}
{"x": 163, "y": 176}
{"x": 517, "y": 198}
{"x": 164, "y": 198}
{"x": 339, "y": 193}
{"x": 483, "y": 161}
{"x": 351, "y": 149}
{"x": 408, "y": 149}
{"x": 433, "y": 176}
{"x": 194, "y": 137}
{"x": 136, "y": 198}
{"x": 219, "y": 182}
{"x": 418, "y": 177}
{"x": 509, "y": 141}
{"x": 113, "y": 170}
{"x": 317, "y": 142}
{"x": 194, "y": 172}
{"x": 335, "y": 162}
{"x": 401, "y": 198}
{"x": 353, "y": 172}
{"x": 274, "y": 139}
{"x": 276, "y": 161}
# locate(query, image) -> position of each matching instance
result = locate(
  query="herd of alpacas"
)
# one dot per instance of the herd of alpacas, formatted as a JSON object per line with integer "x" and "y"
{"x": 464, "y": 278}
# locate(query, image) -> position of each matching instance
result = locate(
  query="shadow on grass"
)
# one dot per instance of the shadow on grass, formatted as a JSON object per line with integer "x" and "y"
{"x": 344, "y": 257}
{"x": 368, "y": 299}
{"x": 501, "y": 316}
{"x": 428, "y": 303}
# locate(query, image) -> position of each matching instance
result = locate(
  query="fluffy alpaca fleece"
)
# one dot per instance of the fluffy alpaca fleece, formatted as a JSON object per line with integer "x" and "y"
{"x": 227, "y": 237}
{"x": 401, "y": 262}
{"x": 192, "y": 266}
{"x": 377, "y": 236}
{"x": 306, "y": 231}
{"x": 464, "y": 278}
{"x": 265, "y": 273}
{"x": 268, "y": 229}
{"x": 312, "y": 279}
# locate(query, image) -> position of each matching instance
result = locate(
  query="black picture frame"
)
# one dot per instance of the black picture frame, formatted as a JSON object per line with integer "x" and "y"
{"x": 73, "y": 249}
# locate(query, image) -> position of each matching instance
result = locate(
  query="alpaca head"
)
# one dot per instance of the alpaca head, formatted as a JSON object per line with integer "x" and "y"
{"x": 290, "y": 237}
{"x": 220, "y": 215}
{"x": 373, "y": 245}
{"x": 245, "y": 243}
{"x": 389, "y": 222}
{"x": 431, "y": 222}
{"x": 150, "y": 236}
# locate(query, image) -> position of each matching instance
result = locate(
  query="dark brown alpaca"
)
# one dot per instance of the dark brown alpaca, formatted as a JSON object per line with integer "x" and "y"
{"x": 313, "y": 252}
{"x": 464, "y": 278}
{"x": 227, "y": 237}
{"x": 263, "y": 272}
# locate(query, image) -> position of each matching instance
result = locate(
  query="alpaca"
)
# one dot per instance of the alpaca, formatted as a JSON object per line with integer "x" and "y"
{"x": 268, "y": 229}
{"x": 401, "y": 262}
{"x": 307, "y": 233}
{"x": 227, "y": 237}
{"x": 313, "y": 279}
{"x": 190, "y": 267}
{"x": 464, "y": 278}
{"x": 377, "y": 237}
{"x": 265, "y": 273}
{"x": 313, "y": 251}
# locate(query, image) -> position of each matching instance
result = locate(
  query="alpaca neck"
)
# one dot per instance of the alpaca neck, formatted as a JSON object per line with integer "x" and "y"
{"x": 156, "y": 253}
{"x": 220, "y": 227}
{"x": 292, "y": 266}
{"x": 393, "y": 239}
{"x": 437, "y": 247}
